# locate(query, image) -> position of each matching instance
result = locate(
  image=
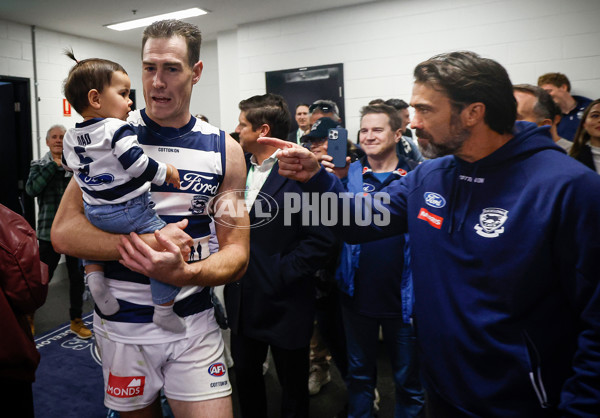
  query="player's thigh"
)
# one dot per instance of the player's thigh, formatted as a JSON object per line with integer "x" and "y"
{"x": 132, "y": 374}
{"x": 153, "y": 410}
{"x": 196, "y": 370}
{"x": 212, "y": 408}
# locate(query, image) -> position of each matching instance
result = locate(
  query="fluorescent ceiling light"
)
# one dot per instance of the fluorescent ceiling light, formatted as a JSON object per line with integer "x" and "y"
{"x": 138, "y": 23}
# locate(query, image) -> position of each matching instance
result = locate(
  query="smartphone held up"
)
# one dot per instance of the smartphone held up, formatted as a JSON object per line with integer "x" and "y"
{"x": 337, "y": 139}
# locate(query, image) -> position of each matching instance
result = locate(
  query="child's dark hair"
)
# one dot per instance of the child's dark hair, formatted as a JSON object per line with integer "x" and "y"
{"x": 92, "y": 73}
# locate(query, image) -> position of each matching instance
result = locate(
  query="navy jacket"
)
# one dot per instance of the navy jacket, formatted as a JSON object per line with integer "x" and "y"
{"x": 506, "y": 268}
{"x": 567, "y": 127}
{"x": 274, "y": 301}
{"x": 375, "y": 277}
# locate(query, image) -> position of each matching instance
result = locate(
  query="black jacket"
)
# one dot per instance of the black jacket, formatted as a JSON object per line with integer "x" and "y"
{"x": 274, "y": 301}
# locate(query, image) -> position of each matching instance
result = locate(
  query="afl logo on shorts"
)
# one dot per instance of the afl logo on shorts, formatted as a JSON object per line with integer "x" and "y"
{"x": 217, "y": 369}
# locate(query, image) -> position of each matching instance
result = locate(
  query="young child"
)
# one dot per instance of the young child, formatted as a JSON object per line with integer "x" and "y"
{"x": 113, "y": 173}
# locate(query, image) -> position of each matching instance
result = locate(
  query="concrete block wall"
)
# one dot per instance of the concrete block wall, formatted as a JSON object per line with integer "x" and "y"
{"x": 205, "y": 95}
{"x": 380, "y": 43}
{"x": 16, "y": 60}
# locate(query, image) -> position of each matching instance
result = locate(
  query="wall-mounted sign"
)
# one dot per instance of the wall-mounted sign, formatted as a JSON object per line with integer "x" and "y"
{"x": 66, "y": 108}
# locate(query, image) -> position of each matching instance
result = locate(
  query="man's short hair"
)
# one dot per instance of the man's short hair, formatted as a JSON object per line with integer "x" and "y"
{"x": 165, "y": 29}
{"x": 269, "y": 109}
{"x": 325, "y": 106}
{"x": 57, "y": 126}
{"x": 467, "y": 78}
{"x": 545, "y": 107}
{"x": 302, "y": 104}
{"x": 397, "y": 104}
{"x": 376, "y": 102}
{"x": 394, "y": 117}
{"x": 556, "y": 79}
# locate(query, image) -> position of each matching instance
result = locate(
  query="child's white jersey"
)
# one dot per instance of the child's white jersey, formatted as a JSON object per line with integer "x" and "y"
{"x": 108, "y": 162}
{"x": 197, "y": 150}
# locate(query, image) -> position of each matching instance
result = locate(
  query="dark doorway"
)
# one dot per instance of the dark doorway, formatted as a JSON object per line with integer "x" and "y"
{"x": 16, "y": 142}
{"x": 132, "y": 97}
{"x": 307, "y": 84}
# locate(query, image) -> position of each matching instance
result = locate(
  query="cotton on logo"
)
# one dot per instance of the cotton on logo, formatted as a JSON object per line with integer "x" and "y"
{"x": 217, "y": 369}
{"x": 125, "y": 387}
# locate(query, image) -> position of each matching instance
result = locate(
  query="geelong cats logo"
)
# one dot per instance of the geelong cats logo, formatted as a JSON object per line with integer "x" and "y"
{"x": 198, "y": 205}
{"x": 491, "y": 221}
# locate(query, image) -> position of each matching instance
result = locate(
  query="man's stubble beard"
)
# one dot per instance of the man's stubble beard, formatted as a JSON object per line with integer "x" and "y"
{"x": 449, "y": 144}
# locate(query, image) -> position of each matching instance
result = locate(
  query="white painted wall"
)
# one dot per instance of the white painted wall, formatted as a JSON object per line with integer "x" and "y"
{"x": 16, "y": 59}
{"x": 205, "y": 94}
{"x": 229, "y": 74}
{"x": 380, "y": 44}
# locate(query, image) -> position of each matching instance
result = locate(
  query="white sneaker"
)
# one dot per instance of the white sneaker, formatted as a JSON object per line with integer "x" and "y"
{"x": 317, "y": 379}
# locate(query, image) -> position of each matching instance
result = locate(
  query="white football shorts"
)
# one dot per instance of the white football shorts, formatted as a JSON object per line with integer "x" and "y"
{"x": 191, "y": 369}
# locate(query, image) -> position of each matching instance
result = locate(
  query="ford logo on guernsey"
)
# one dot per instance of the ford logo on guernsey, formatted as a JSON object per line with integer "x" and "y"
{"x": 434, "y": 200}
{"x": 96, "y": 180}
{"x": 217, "y": 369}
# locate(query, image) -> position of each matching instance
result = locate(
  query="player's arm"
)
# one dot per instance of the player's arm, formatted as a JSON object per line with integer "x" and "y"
{"x": 74, "y": 235}
{"x": 232, "y": 229}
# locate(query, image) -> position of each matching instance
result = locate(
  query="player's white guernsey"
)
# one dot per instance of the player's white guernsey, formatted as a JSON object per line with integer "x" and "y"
{"x": 197, "y": 150}
{"x": 108, "y": 163}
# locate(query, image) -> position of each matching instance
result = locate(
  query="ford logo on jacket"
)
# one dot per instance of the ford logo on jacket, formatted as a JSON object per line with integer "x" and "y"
{"x": 434, "y": 200}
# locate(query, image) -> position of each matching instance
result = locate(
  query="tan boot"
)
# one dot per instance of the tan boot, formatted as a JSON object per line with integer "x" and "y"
{"x": 78, "y": 328}
{"x": 31, "y": 324}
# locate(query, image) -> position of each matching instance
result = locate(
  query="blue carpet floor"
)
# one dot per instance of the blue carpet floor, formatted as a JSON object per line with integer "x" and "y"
{"x": 69, "y": 378}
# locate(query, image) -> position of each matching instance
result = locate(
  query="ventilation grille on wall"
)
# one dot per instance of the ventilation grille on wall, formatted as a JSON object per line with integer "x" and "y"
{"x": 319, "y": 74}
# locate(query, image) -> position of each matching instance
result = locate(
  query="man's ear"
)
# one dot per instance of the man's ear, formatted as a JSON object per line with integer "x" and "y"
{"x": 473, "y": 114}
{"x": 94, "y": 99}
{"x": 556, "y": 120}
{"x": 545, "y": 122}
{"x": 398, "y": 135}
{"x": 264, "y": 130}
{"x": 197, "y": 70}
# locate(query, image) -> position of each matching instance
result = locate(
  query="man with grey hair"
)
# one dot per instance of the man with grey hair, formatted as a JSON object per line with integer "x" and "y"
{"x": 47, "y": 181}
{"x": 534, "y": 104}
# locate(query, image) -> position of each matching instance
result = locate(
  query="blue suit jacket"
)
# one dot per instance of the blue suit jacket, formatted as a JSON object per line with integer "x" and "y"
{"x": 274, "y": 301}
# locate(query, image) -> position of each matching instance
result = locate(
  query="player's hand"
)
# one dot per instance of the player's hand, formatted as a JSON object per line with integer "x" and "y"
{"x": 295, "y": 162}
{"x": 174, "y": 232}
{"x": 173, "y": 176}
{"x": 167, "y": 265}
